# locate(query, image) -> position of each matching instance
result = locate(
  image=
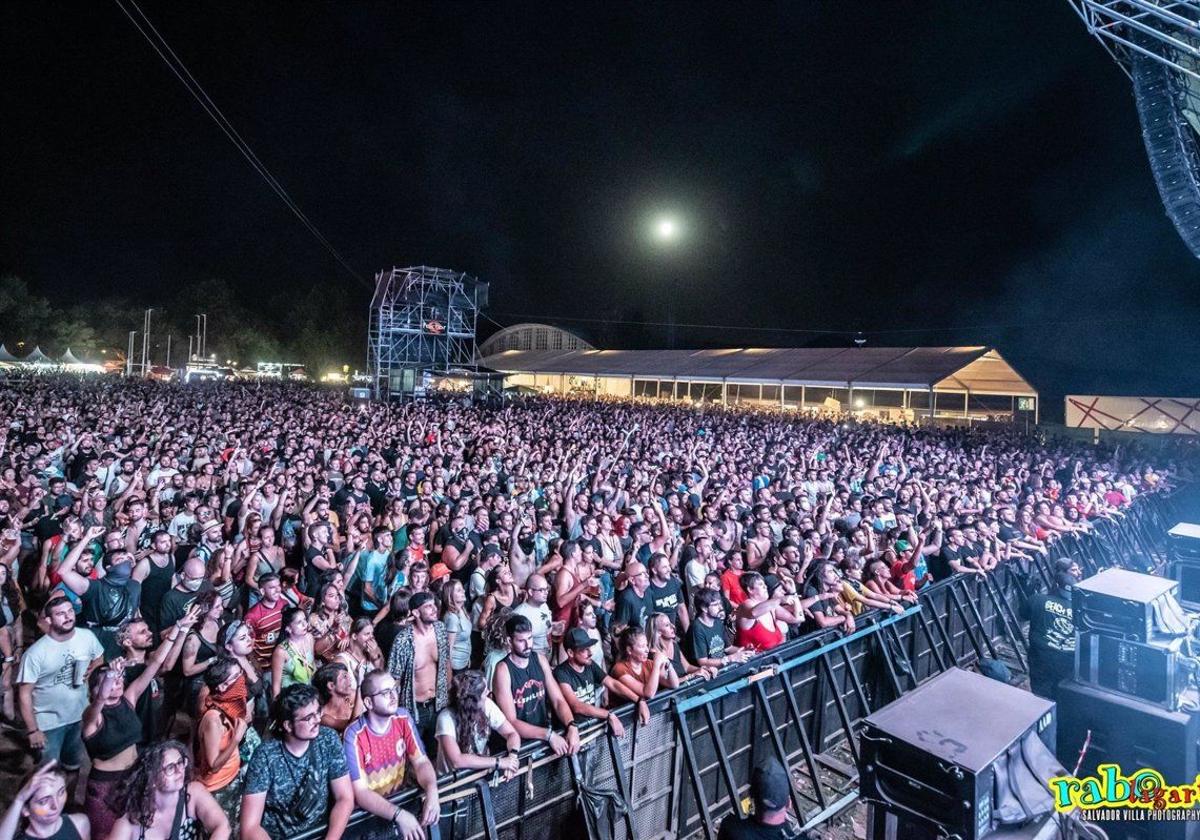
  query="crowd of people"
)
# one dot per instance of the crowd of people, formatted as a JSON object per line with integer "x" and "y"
{"x": 251, "y": 610}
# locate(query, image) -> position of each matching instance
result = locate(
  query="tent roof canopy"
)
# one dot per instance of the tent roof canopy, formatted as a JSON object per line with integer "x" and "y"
{"x": 980, "y": 370}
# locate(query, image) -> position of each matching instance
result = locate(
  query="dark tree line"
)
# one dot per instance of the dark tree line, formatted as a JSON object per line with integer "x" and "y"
{"x": 317, "y": 326}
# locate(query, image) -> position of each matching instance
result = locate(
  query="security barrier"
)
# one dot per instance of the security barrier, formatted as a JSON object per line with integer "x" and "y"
{"x": 685, "y": 770}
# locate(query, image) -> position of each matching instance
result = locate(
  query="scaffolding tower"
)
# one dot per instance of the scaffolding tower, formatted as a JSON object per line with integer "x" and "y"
{"x": 423, "y": 323}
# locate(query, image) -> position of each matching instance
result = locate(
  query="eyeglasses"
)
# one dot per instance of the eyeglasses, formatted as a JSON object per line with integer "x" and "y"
{"x": 177, "y": 766}
{"x": 311, "y": 717}
{"x": 393, "y": 691}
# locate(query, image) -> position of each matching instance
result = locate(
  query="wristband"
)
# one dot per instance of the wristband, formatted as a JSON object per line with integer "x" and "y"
{"x": 497, "y": 767}
{"x": 572, "y": 723}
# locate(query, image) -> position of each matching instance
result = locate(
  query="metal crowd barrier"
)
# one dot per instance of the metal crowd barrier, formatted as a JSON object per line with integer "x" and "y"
{"x": 689, "y": 767}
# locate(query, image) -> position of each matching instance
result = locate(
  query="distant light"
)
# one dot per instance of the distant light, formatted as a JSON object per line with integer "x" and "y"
{"x": 860, "y": 403}
{"x": 667, "y": 229}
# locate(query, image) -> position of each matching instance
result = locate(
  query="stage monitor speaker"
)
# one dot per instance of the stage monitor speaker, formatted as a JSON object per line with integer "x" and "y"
{"x": 1183, "y": 551}
{"x": 962, "y": 755}
{"x": 883, "y": 824}
{"x": 1158, "y": 671}
{"x": 1129, "y": 605}
{"x": 1132, "y": 734}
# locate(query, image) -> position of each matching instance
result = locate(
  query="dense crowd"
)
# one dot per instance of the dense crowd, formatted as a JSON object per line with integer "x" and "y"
{"x": 253, "y": 609}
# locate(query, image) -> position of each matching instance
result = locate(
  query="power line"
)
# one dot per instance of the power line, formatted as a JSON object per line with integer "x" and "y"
{"x": 210, "y": 107}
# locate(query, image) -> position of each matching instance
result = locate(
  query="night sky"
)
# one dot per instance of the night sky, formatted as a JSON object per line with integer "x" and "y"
{"x": 929, "y": 173}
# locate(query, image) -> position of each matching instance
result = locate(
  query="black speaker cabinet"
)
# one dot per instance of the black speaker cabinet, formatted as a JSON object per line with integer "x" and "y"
{"x": 1183, "y": 551}
{"x": 1116, "y": 602}
{"x": 1155, "y": 671}
{"x": 883, "y": 824}
{"x": 1135, "y": 735}
{"x": 932, "y": 757}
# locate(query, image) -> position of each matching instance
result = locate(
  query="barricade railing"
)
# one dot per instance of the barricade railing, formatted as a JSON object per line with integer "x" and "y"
{"x": 686, "y": 769}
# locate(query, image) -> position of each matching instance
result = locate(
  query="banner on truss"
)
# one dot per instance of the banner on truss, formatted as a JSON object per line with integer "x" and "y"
{"x": 1153, "y": 415}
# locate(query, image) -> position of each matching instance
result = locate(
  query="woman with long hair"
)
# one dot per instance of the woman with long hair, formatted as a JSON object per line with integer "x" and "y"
{"x": 39, "y": 805}
{"x": 499, "y": 590}
{"x": 458, "y": 623}
{"x": 639, "y": 668}
{"x": 160, "y": 801}
{"x": 200, "y": 646}
{"x": 224, "y": 739}
{"x": 466, "y": 724}
{"x": 362, "y": 655}
{"x": 293, "y": 660}
{"x": 330, "y": 623}
{"x": 338, "y": 693}
{"x": 495, "y": 642}
{"x": 265, "y": 556}
{"x": 112, "y": 727}
{"x": 662, "y": 637}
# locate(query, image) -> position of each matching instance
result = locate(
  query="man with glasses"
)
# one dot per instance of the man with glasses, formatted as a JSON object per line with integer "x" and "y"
{"x": 381, "y": 747}
{"x": 298, "y": 780}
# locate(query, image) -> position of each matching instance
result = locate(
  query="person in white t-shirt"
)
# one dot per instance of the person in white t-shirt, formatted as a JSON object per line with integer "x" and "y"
{"x": 466, "y": 724}
{"x": 52, "y": 686}
{"x": 535, "y": 608}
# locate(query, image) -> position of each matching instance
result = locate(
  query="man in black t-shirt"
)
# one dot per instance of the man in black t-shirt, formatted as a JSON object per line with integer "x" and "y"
{"x": 666, "y": 593}
{"x": 633, "y": 602}
{"x": 707, "y": 642}
{"x": 1052, "y": 631}
{"x": 585, "y": 685}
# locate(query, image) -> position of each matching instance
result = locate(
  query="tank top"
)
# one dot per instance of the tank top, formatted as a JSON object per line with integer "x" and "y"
{"x": 758, "y": 637}
{"x": 158, "y": 582}
{"x": 66, "y": 831}
{"x": 528, "y": 690}
{"x": 121, "y": 729}
{"x": 215, "y": 778}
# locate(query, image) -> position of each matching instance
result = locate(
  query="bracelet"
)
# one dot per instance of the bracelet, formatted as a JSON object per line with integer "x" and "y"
{"x": 396, "y": 814}
{"x": 572, "y": 723}
{"x": 497, "y": 764}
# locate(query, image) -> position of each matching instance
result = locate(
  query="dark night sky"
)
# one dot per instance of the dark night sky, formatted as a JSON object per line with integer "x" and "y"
{"x": 967, "y": 173}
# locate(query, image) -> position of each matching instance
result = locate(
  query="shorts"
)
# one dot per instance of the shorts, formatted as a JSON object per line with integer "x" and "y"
{"x": 64, "y": 744}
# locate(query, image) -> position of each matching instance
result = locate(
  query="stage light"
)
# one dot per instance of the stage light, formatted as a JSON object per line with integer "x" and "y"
{"x": 860, "y": 403}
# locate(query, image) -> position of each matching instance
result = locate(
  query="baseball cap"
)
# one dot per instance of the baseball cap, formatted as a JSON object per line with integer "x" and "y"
{"x": 439, "y": 570}
{"x": 576, "y": 639}
{"x": 489, "y": 549}
{"x": 770, "y": 786}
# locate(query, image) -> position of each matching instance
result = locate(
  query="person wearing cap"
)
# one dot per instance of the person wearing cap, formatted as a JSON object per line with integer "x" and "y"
{"x": 586, "y": 687}
{"x": 1052, "y": 631}
{"x": 420, "y": 662}
{"x": 770, "y": 791}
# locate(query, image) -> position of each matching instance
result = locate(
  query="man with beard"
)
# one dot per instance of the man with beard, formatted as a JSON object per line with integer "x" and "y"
{"x": 154, "y": 571}
{"x": 707, "y": 642}
{"x": 52, "y": 687}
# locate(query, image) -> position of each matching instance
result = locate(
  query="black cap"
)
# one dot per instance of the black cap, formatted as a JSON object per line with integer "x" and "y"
{"x": 770, "y": 786}
{"x": 576, "y": 639}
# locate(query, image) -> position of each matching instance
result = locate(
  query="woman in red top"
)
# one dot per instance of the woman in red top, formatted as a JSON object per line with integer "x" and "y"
{"x": 759, "y": 616}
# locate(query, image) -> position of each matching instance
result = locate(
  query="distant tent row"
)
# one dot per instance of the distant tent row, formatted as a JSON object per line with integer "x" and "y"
{"x": 38, "y": 359}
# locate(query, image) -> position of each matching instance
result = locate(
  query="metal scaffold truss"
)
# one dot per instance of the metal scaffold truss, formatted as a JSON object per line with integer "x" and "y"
{"x": 423, "y": 321}
{"x": 1167, "y": 31}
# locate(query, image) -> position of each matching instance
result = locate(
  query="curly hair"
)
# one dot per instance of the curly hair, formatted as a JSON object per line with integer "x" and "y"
{"x": 467, "y": 694}
{"x": 136, "y": 791}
